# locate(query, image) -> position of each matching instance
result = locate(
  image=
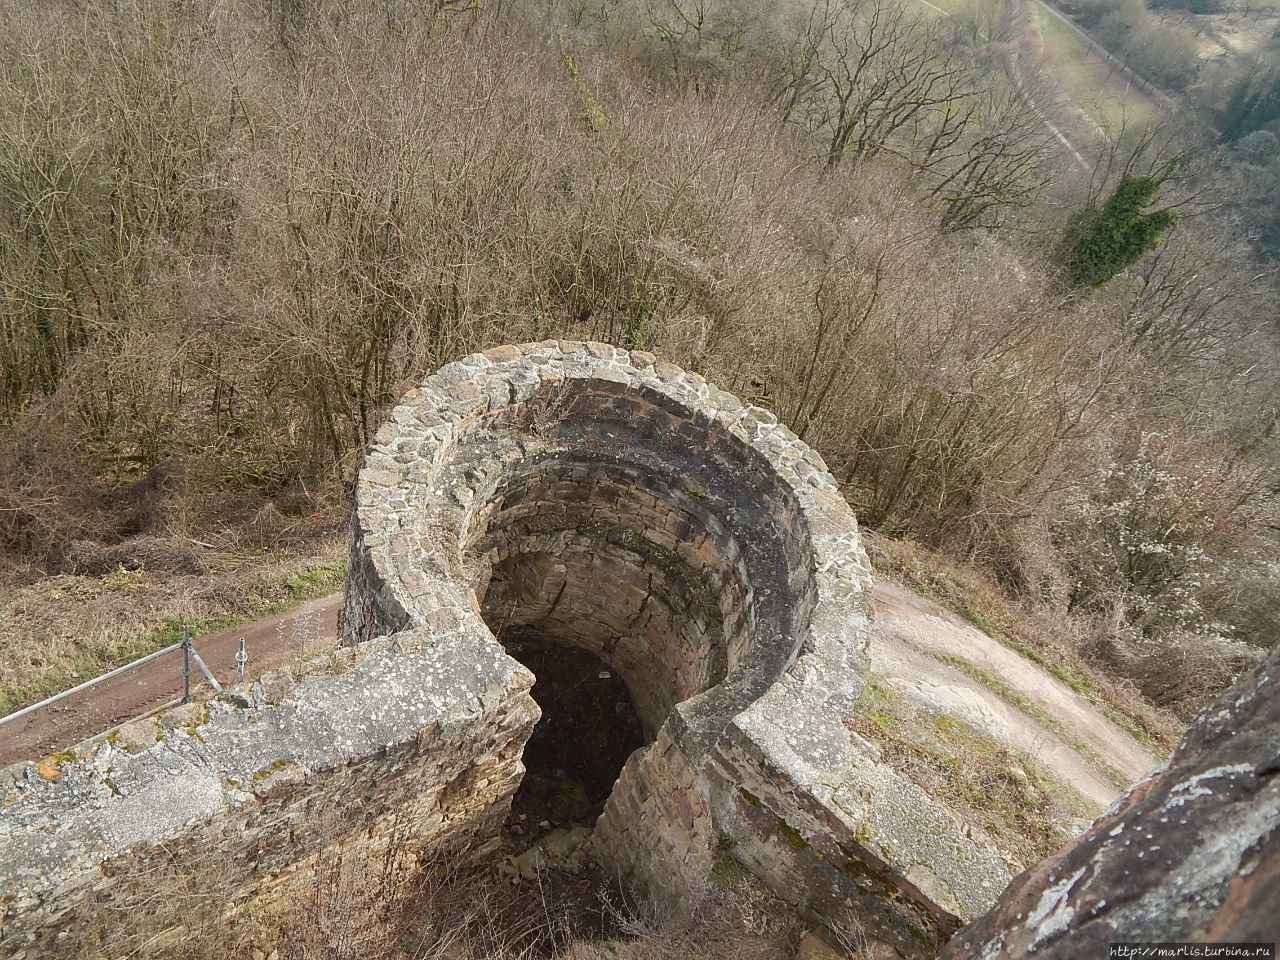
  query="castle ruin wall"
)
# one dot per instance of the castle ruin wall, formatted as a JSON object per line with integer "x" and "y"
{"x": 602, "y": 500}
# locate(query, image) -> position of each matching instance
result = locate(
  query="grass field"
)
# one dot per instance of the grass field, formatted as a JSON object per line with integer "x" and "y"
{"x": 1087, "y": 81}
{"x": 986, "y": 9}
{"x": 943, "y": 7}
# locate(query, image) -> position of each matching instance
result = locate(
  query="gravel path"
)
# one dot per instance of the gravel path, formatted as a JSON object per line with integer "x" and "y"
{"x": 912, "y": 631}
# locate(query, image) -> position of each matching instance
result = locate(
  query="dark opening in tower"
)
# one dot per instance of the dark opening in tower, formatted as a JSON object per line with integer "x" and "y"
{"x": 589, "y": 728}
{"x": 632, "y": 556}
{"x": 616, "y": 593}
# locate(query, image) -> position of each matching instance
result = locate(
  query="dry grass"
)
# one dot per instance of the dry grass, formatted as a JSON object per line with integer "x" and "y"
{"x": 1054, "y": 643}
{"x": 566, "y": 917}
{"x": 1088, "y": 81}
{"x": 59, "y": 631}
{"x": 1025, "y": 810}
{"x": 347, "y": 906}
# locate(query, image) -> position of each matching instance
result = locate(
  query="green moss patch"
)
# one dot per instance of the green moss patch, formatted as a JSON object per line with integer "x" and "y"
{"x": 792, "y": 836}
{"x": 1026, "y": 811}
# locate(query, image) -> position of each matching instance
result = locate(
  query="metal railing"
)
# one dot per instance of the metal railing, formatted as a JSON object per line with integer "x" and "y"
{"x": 189, "y": 655}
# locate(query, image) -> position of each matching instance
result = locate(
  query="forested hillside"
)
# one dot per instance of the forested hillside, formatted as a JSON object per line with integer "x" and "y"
{"x": 231, "y": 235}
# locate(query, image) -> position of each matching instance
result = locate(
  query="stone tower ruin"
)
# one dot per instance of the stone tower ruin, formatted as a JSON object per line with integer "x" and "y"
{"x": 604, "y": 500}
{"x": 575, "y": 497}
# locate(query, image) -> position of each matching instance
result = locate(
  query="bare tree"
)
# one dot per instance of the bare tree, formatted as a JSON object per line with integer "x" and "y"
{"x": 867, "y": 77}
{"x": 861, "y": 72}
{"x": 1198, "y": 296}
{"x": 999, "y": 158}
{"x": 703, "y": 39}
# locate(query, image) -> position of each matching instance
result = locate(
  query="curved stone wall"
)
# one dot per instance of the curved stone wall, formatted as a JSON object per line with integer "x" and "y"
{"x": 625, "y": 506}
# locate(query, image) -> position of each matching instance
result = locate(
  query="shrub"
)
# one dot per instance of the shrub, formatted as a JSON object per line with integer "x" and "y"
{"x": 1117, "y": 235}
{"x": 232, "y": 237}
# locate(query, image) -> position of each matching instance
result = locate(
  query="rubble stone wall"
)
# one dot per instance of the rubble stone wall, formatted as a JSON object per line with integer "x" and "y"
{"x": 620, "y": 504}
{"x": 350, "y": 750}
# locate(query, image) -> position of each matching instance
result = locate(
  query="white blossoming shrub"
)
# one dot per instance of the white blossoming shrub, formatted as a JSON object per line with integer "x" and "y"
{"x": 1157, "y": 552}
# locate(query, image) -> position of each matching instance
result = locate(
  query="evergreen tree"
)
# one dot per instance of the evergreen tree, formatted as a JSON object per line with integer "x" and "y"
{"x": 1116, "y": 236}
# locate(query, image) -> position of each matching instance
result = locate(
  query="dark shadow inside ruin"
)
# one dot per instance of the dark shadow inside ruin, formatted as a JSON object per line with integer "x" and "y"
{"x": 589, "y": 728}
{"x": 616, "y": 627}
{"x": 612, "y": 534}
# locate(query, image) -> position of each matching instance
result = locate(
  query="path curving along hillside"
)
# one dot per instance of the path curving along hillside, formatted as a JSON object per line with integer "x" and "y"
{"x": 920, "y": 649}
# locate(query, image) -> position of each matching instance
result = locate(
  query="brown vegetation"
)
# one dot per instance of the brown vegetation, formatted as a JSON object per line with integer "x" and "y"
{"x": 231, "y": 236}
{"x": 354, "y": 906}
{"x": 62, "y": 630}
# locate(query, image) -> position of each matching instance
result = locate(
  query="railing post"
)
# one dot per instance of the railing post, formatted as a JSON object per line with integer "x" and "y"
{"x": 186, "y": 664}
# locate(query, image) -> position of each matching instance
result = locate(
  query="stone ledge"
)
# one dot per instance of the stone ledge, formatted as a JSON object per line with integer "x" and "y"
{"x": 410, "y": 705}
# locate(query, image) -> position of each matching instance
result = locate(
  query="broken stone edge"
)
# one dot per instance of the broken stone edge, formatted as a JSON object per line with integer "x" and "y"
{"x": 1191, "y": 853}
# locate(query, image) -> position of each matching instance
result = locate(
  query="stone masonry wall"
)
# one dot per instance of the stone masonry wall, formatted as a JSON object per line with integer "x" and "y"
{"x": 606, "y": 500}
{"x": 342, "y": 750}
{"x": 620, "y": 504}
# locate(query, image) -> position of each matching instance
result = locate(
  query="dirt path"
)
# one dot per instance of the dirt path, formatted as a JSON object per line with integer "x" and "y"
{"x": 308, "y": 628}
{"x": 1013, "y": 67}
{"x": 912, "y": 631}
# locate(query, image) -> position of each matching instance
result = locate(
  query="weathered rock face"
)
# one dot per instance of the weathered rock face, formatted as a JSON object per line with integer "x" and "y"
{"x": 414, "y": 739}
{"x": 1191, "y": 853}
{"x": 607, "y": 501}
